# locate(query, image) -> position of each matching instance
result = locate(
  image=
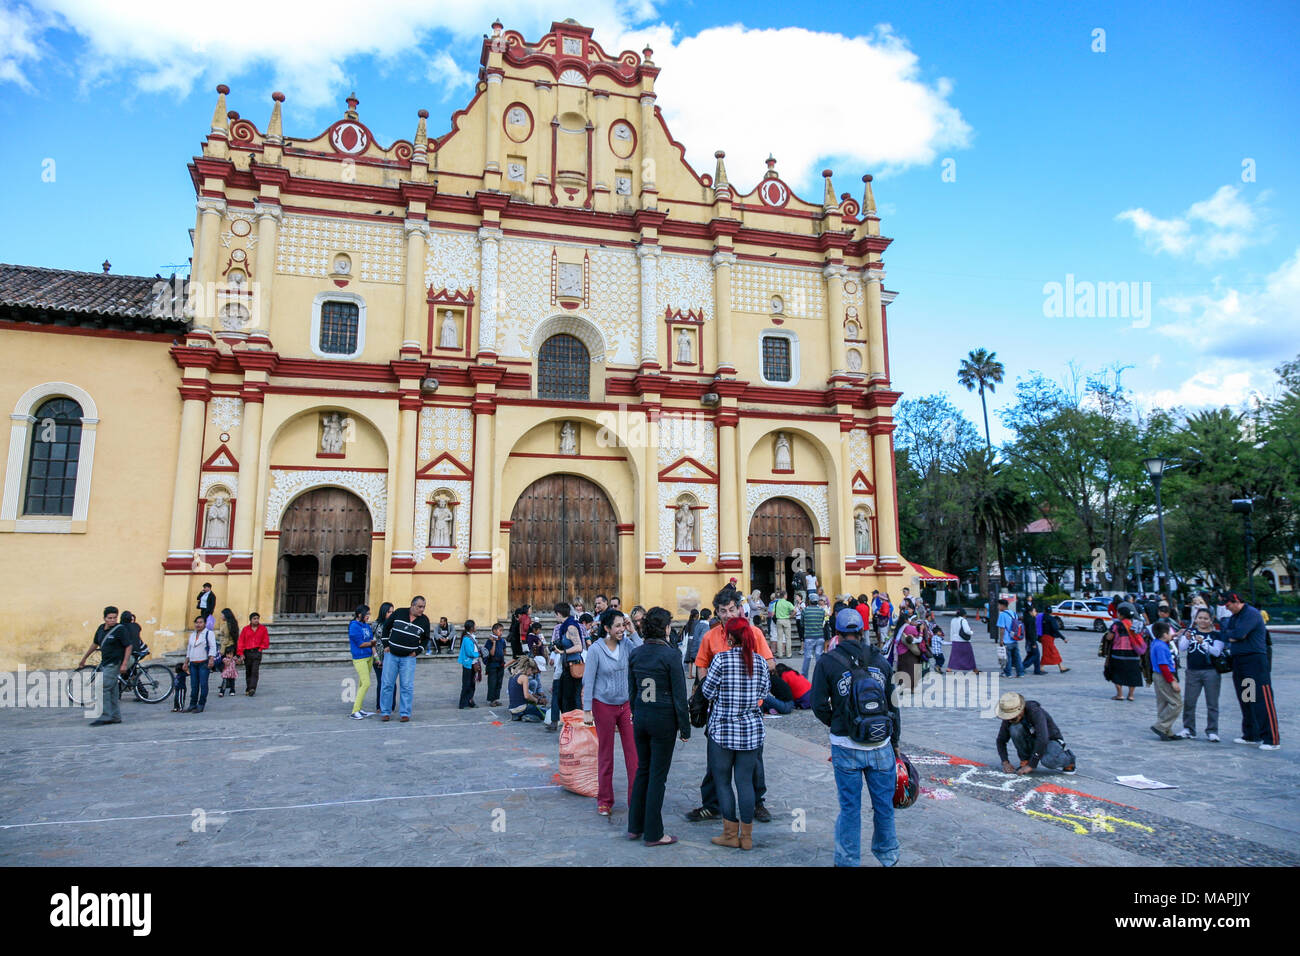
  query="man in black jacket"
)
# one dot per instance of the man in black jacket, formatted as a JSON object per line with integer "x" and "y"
{"x": 1038, "y": 740}
{"x": 407, "y": 631}
{"x": 832, "y": 685}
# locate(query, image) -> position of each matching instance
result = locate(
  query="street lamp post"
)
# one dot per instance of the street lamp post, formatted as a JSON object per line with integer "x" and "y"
{"x": 1244, "y": 507}
{"x": 1156, "y": 469}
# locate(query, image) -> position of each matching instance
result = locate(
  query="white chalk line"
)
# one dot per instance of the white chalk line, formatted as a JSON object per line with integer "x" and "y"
{"x": 291, "y": 806}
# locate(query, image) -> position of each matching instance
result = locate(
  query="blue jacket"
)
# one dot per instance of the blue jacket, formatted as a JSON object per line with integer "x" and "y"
{"x": 497, "y": 656}
{"x": 1245, "y": 632}
{"x": 1161, "y": 654}
{"x": 468, "y": 651}
{"x": 357, "y": 634}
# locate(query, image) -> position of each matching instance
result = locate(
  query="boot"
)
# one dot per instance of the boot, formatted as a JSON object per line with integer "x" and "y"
{"x": 730, "y": 829}
{"x": 747, "y": 836}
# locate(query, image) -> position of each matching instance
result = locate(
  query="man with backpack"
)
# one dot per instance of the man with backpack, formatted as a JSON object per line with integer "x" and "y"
{"x": 851, "y": 695}
{"x": 1009, "y": 632}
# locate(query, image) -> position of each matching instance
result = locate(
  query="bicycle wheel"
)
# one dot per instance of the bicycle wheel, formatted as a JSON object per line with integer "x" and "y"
{"x": 153, "y": 683}
{"x": 81, "y": 685}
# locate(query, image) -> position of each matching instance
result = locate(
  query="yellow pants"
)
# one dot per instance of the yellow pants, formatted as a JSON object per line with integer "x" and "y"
{"x": 363, "y": 667}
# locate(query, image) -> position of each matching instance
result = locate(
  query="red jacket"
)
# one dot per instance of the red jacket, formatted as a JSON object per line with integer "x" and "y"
{"x": 253, "y": 638}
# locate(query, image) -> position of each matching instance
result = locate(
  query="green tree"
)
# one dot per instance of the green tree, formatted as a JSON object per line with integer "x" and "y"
{"x": 996, "y": 502}
{"x": 981, "y": 369}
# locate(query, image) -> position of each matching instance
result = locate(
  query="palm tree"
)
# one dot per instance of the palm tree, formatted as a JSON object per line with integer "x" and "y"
{"x": 982, "y": 370}
{"x": 996, "y": 504}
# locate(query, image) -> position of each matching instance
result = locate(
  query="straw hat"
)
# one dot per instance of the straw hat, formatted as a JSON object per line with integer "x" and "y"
{"x": 1010, "y": 706}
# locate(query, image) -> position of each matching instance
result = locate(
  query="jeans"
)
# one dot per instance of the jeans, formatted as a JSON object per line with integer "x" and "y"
{"x": 655, "y": 738}
{"x": 198, "y": 683}
{"x": 467, "y": 683}
{"x": 494, "y": 677}
{"x": 812, "y": 651}
{"x": 709, "y": 791}
{"x": 395, "y": 669}
{"x": 1054, "y": 757}
{"x": 252, "y": 667}
{"x": 610, "y": 718}
{"x": 881, "y": 770}
{"x": 531, "y": 714}
{"x": 778, "y": 705}
{"x": 1013, "y": 660}
{"x": 1210, "y": 681}
{"x": 1033, "y": 658}
{"x": 740, "y": 765}
{"x": 555, "y": 700}
{"x": 570, "y": 695}
{"x": 379, "y": 680}
{"x": 362, "y": 667}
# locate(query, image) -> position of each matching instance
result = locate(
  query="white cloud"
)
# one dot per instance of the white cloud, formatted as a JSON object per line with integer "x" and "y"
{"x": 1256, "y": 324}
{"x": 1211, "y": 230}
{"x": 747, "y": 91}
{"x": 750, "y": 92}
{"x": 20, "y": 31}
{"x": 1221, "y": 382}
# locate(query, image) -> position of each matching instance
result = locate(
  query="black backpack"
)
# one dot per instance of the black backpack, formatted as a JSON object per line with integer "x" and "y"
{"x": 869, "y": 719}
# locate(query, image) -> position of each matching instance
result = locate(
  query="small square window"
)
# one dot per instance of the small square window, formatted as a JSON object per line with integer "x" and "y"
{"x": 776, "y": 358}
{"x": 338, "y": 327}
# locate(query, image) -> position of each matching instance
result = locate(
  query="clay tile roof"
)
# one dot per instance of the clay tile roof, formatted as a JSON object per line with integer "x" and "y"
{"x": 89, "y": 294}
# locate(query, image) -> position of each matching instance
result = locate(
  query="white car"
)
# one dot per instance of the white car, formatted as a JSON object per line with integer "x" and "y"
{"x": 1082, "y": 614}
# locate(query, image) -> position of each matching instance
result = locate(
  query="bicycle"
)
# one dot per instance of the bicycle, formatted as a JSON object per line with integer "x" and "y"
{"x": 151, "y": 683}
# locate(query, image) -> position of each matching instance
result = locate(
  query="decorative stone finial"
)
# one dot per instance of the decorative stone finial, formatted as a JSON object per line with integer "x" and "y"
{"x": 106, "y": 266}
{"x": 868, "y": 197}
{"x": 828, "y": 198}
{"x": 720, "y": 173}
{"x": 352, "y": 105}
{"x": 275, "y": 128}
{"x": 771, "y": 167}
{"x": 421, "y": 136}
{"x": 646, "y": 55}
{"x": 220, "y": 125}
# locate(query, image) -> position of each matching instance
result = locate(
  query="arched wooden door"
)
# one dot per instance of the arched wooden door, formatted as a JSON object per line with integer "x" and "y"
{"x": 779, "y": 534}
{"x": 563, "y": 543}
{"x": 325, "y": 538}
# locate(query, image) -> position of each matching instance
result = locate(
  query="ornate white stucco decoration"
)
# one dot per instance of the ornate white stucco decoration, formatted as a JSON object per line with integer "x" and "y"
{"x": 616, "y": 302}
{"x": 686, "y": 282}
{"x": 446, "y": 429}
{"x": 801, "y": 290}
{"x": 370, "y": 486}
{"x": 813, "y": 496}
{"x": 579, "y": 327}
{"x": 307, "y": 244}
{"x": 524, "y": 291}
{"x": 424, "y": 488}
{"x": 687, "y": 436}
{"x": 860, "y": 452}
{"x": 706, "y": 495}
{"x": 223, "y": 479}
{"x": 452, "y": 261}
{"x": 225, "y": 413}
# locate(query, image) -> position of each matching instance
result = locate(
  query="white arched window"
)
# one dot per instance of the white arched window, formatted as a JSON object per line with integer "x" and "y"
{"x": 51, "y": 454}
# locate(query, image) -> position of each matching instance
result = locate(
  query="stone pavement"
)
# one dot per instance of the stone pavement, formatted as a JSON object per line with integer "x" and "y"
{"x": 285, "y": 778}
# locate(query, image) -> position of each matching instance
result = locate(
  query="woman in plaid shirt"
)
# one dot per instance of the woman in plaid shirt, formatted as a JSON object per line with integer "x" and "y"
{"x": 736, "y": 684}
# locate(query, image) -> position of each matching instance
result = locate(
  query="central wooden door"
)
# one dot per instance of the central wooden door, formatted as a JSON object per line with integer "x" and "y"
{"x": 563, "y": 543}
{"x": 779, "y": 534}
{"x": 326, "y": 531}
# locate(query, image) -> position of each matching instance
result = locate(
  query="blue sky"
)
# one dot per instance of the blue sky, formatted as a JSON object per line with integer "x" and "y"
{"x": 1008, "y": 152}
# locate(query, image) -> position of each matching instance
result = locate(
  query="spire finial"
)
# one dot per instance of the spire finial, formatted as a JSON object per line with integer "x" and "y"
{"x": 352, "y": 105}
{"x": 771, "y": 167}
{"x": 868, "y": 197}
{"x": 828, "y": 198}
{"x": 220, "y": 124}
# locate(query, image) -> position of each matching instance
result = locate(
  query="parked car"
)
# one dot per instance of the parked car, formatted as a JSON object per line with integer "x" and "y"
{"x": 1085, "y": 615}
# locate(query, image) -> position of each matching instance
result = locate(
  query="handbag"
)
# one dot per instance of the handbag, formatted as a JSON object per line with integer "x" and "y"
{"x": 478, "y": 671}
{"x": 698, "y": 706}
{"x": 577, "y": 668}
{"x": 1222, "y": 663}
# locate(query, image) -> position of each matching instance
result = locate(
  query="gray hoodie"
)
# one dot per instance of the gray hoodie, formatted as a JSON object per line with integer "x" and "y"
{"x": 605, "y": 676}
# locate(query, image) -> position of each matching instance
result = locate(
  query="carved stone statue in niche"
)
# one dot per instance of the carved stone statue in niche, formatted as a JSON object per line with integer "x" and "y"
{"x": 440, "y": 525}
{"x": 331, "y": 439}
{"x": 447, "y": 337}
{"x": 854, "y": 360}
{"x": 684, "y": 347}
{"x": 685, "y": 522}
{"x": 216, "y": 525}
{"x": 783, "y": 460}
{"x": 568, "y": 439}
{"x": 862, "y": 533}
{"x": 569, "y": 279}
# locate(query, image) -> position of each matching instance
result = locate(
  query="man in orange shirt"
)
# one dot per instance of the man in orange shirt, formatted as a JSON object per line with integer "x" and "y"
{"x": 727, "y": 604}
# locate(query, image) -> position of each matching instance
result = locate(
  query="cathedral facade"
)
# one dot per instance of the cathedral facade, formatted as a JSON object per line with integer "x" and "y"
{"x": 535, "y": 357}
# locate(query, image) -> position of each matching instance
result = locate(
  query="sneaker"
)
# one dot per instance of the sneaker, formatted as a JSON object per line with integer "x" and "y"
{"x": 1270, "y": 746}
{"x": 358, "y": 715}
{"x": 761, "y": 813}
{"x": 366, "y": 713}
{"x": 700, "y": 814}
{"x": 1243, "y": 740}
{"x": 1186, "y": 732}
{"x": 550, "y": 728}
{"x": 406, "y": 720}
{"x": 1213, "y": 738}
{"x": 1070, "y": 770}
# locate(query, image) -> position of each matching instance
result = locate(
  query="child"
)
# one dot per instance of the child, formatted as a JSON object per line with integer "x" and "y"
{"x": 227, "y": 673}
{"x": 1169, "y": 696}
{"x": 180, "y": 680}
{"x": 534, "y": 639}
{"x": 936, "y": 647}
{"x": 557, "y": 665}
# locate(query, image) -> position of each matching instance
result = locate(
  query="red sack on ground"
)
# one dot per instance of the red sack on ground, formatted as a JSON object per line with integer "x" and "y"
{"x": 578, "y": 752}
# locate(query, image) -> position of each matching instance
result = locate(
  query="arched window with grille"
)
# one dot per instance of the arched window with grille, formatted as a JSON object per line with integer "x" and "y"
{"x": 52, "y": 461}
{"x": 563, "y": 369}
{"x": 51, "y": 457}
{"x": 338, "y": 325}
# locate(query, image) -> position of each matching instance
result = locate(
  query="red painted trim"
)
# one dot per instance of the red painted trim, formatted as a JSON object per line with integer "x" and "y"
{"x": 209, "y": 462}
{"x": 427, "y": 470}
{"x": 506, "y": 526}
{"x": 326, "y": 392}
{"x": 884, "y": 333}
{"x": 169, "y": 338}
{"x": 654, "y": 564}
{"x": 625, "y": 528}
{"x": 557, "y": 457}
{"x": 783, "y": 481}
{"x": 382, "y": 471}
{"x": 664, "y": 473}
{"x": 686, "y": 558}
{"x": 505, "y": 127}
